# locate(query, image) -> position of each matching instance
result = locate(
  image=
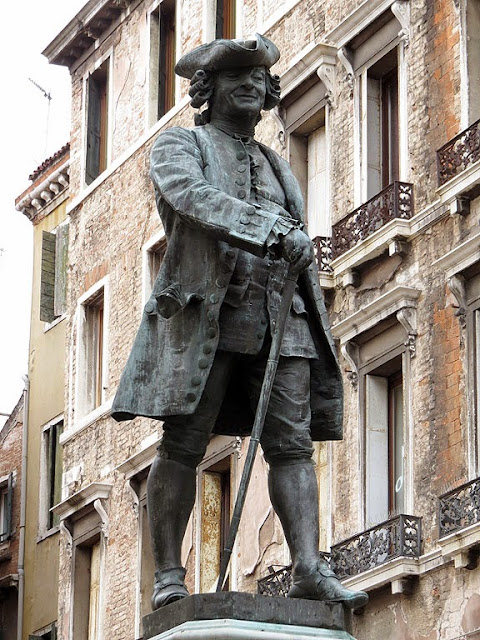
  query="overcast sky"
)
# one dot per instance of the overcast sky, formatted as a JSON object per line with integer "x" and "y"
{"x": 26, "y": 141}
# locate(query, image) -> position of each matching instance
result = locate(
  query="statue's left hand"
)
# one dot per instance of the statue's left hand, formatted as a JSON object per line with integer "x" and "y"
{"x": 297, "y": 249}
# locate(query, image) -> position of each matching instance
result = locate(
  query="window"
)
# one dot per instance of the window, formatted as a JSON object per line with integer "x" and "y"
{"x": 154, "y": 252}
{"x": 53, "y": 276}
{"x": 225, "y": 19}
{"x": 372, "y": 45}
{"x": 97, "y": 122}
{"x": 84, "y": 524}
{"x": 162, "y": 59}
{"x": 92, "y": 365}
{"x": 305, "y": 110}
{"x": 215, "y": 514}
{"x": 471, "y": 44}
{"x": 6, "y": 499}
{"x": 308, "y": 156}
{"x": 385, "y": 432}
{"x": 51, "y": 475}
{"x": 381, "y": 130}
{"x": 472, "y": 295}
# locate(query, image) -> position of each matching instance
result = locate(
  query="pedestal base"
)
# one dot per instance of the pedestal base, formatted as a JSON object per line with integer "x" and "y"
{"x": 243, "y": 616}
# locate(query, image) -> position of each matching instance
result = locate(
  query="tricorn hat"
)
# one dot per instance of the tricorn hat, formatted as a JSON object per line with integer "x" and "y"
{"x": 227, "y": 54}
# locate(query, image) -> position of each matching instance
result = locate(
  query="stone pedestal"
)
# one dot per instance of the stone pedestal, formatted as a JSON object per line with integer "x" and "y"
{"x": 243, "y": 616}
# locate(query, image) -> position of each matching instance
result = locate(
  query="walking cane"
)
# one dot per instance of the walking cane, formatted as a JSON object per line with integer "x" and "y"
{"x": 269, "y": 377}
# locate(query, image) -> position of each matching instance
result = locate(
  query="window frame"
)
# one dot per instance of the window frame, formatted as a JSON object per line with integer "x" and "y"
{"x": 370, "y": 368}
{"x": 106, "y": 58}
{"x": 153, "y": 63}
{"x": 156, "y": 242}
{"x": 85, "y": 411}
{"x": 6, "y": 507}
{"x": 46, "y": 519}
{"x": 220, "y": 449}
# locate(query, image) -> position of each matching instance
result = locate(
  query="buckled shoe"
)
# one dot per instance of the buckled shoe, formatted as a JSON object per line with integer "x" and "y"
{"x": 323, "y": 584}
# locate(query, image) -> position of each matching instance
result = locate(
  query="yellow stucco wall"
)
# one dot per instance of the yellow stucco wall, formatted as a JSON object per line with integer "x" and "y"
{"x": 46, "y": 373}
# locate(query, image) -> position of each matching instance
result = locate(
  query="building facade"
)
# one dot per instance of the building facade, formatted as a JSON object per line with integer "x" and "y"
{"x": 379, "y": 119}
{"x": 11, "y": 438}
{"x": 44, "y": 203}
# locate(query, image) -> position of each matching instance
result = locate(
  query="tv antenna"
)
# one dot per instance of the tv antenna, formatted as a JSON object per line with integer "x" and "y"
{"x": 48, "y": 96}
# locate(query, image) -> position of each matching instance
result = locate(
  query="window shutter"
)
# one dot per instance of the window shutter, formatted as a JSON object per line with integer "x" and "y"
{"x": 61, "y": 261}
{"x": 9, "y": 507}
{"x": 377, "y": 448}
{"x": 47, "y": 277}
{"x": 92, "y": 168}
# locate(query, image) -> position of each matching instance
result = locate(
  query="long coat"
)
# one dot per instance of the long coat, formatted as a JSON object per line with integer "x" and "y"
{"x": 196, "y": 174}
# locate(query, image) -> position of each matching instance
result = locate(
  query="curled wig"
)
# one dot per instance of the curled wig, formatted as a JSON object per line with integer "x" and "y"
{"x": 202, "y": 86}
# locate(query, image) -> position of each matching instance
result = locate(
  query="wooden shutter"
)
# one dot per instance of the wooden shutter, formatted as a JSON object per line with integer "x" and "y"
{"x": 9, "y": 527}
{"x": 92, "y": 168}
{"x": 47, "y": 277}
{"x": 61, "y": 261}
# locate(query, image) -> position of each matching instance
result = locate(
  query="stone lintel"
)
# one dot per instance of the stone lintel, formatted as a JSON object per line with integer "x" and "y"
{"x": 236, "y": 610}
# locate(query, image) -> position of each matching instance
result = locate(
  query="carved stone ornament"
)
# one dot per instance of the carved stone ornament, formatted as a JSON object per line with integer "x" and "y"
{"x": 407, "y": 317}
{"x": 350, "y": 352}
{"x": 345, "y": 58}
{"x": 135, "y": 500}
{"x": 326, "y": 73}
{"x": 401, "y": 10}
{"x": 103, "y": 516}
{"x": 456, "y": 284}
{"x": 68, "y": 539}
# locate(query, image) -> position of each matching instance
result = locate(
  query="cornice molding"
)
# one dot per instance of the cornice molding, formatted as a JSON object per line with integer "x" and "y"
{"x": 83, "y": 498}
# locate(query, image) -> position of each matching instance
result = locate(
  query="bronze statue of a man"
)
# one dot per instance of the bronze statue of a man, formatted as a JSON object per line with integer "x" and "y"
{"x": 232, "y": 213}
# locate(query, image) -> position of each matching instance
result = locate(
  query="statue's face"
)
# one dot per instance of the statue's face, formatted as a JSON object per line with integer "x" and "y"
{"x": 239, "y": 92}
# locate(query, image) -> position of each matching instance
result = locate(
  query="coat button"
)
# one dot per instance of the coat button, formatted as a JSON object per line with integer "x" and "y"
{"x": 230, "y": 253}
{"x": 214, "y": 298}
{"x": 207, "y": 348}
{"x": 242, "y": 168}
{"x": 221, "y": 283}
{"x": 203, "y": 363}
{"x": 191, "y": 397}
{"x": 244, "y": 220}
{"x": 260, "y": 335}
{"x": 211, "y": 332}
{"x": 150, "y": 308}
{"x": 241, "y": 181}
{"x": 196, "y": 381}
{"x": 241, "y": 155}
{"x": 242, "y": 194}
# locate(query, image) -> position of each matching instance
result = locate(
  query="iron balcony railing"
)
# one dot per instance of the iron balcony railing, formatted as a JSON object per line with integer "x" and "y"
{"x": 323, "y": 253}
{"x": 459, "y": 153}
{"x": 400, "y": 536}
{"x": 277, "y": 583}
{"x": 395, "y": 201}
{"x": 459, "y": 508}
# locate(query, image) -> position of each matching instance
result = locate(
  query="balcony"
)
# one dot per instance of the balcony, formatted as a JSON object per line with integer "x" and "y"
{"x": 398, "y": 537}
{"x": 394, "y": 202}
{"x": 323, "y": 253}
{"x": 458, "y": 154}
{"x": 459, "y": 508}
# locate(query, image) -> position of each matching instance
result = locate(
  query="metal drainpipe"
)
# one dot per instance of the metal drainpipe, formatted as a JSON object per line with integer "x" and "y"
{"x": 23, "y": 509}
